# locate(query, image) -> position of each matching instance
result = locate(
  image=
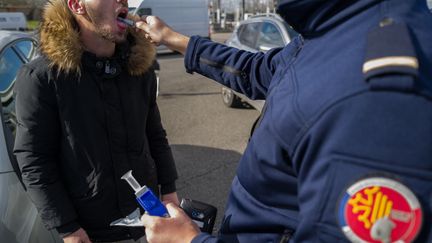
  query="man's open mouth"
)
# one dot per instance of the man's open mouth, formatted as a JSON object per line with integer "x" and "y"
{"x": 121, "y": 19}
{"x": 122, "y": 14}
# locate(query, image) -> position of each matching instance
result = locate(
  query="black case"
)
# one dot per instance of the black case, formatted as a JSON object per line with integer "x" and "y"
{"x": 202, "y": 213}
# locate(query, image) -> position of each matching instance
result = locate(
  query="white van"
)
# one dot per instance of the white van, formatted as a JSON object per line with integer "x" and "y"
{"x": 13, "y": 21}
{"x": 189, "y": 17}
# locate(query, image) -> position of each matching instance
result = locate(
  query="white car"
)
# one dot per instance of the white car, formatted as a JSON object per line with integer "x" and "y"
{"x": 19, "y": 220}
{"x": 257, "y": 33}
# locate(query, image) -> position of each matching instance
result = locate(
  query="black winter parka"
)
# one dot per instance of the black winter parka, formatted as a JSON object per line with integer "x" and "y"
{"x": 81, "y": 126}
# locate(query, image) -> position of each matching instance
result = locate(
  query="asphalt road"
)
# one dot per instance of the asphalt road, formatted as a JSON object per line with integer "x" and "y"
{"x": 206, "y": 137}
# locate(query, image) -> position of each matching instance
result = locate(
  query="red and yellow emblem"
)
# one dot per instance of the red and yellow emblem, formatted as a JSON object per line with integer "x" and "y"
{"x": 380, "y": 210}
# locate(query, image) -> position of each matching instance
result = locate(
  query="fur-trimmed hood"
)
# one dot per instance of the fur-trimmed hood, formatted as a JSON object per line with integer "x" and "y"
{"x": 60, "y": 42}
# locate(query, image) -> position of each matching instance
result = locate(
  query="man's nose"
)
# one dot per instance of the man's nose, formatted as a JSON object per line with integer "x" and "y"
{"x": 124, "y": 2}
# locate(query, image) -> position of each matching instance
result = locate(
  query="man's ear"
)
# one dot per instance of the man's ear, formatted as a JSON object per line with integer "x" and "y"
{"x": 76, "y": 6}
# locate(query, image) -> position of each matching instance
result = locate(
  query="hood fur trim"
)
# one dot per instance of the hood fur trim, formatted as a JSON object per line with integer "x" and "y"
{"x": 60, "y": 42}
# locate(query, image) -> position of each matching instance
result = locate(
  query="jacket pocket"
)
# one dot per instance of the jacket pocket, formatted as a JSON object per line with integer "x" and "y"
{"x": 80, "y": 185}
{"x": 98, "y": 210}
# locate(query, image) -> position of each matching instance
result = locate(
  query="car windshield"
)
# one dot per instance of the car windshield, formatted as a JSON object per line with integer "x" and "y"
{"x": 26, "y": 47}
{"x": 270, "y": 36}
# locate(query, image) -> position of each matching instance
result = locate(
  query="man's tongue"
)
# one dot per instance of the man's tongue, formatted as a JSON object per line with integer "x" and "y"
{"x": 121, "y": 25}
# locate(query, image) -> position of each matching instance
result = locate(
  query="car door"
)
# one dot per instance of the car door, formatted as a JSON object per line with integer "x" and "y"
{"x": 19, "y": 221}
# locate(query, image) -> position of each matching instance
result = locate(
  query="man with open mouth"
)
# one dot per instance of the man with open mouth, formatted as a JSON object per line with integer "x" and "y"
{"x": 87, "y": 114}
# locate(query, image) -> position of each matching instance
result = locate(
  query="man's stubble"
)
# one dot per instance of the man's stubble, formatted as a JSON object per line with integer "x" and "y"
{"x": 104, "y": 31}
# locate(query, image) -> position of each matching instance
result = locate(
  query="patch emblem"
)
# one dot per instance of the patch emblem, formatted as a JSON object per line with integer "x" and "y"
{"x": 379, "y": 210}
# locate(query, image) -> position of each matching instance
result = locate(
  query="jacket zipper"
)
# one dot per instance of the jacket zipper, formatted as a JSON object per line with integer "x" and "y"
{"x": 107, "y": 67}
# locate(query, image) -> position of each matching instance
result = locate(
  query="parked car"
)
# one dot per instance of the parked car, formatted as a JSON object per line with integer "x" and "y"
{"x": 19, "y": 220}
{"x": 257, "y": 33}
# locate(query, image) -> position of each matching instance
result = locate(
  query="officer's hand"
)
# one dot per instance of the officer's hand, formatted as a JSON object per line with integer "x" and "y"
{"x": 178, "y": 228}
{"x": 156, "y": 30}
{"x": 79, "y": 236}
{"x": 160, "y": 33}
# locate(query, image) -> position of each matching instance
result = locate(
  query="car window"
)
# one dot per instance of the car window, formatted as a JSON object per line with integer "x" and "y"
{"x": 248, "y": 34}
{"x": 11, "y": 59}
{"x": 9, "y": 66}
{"x": 270, "y": 36}
{"x": 26, "y": 47}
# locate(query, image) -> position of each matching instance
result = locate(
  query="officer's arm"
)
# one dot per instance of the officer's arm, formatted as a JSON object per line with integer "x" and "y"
{"x": 245, "y": 72}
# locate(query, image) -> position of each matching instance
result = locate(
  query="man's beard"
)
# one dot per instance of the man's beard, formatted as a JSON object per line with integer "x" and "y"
{"x": 103, "y": 31}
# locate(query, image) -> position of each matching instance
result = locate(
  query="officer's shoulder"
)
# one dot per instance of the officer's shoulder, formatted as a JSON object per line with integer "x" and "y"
{"x": 391, "y": 62}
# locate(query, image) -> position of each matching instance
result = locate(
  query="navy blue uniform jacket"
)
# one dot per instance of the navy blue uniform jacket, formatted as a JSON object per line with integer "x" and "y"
{"x": 330, "y": 119}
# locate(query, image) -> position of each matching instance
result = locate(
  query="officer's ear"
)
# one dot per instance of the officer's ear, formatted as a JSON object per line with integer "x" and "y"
{"x": 76, "y": 6}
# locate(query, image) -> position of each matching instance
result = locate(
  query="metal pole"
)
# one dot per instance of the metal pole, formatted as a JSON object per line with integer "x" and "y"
{"x": 243, "y": 9}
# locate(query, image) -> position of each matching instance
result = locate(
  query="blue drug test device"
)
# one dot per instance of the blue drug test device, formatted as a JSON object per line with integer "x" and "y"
{"x": 145, "y": 197}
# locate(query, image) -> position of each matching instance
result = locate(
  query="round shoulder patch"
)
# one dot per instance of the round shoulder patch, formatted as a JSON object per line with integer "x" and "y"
{"x": 379, "y": 209}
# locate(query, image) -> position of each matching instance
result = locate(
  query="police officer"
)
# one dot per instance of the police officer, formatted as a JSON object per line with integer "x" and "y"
{"x": 343, "y": 151}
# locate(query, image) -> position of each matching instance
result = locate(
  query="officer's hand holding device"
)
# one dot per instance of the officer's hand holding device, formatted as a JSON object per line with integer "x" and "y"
{"x": 201, "y": 215}
{"x": 177, "y": 228}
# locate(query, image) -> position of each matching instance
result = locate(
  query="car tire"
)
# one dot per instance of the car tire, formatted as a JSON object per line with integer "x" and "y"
{"x": 230, "y": 99}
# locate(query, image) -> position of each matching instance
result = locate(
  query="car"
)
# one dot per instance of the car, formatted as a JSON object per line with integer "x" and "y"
{"x": 19, "y": 220}
{"x": 257, "y": 33}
